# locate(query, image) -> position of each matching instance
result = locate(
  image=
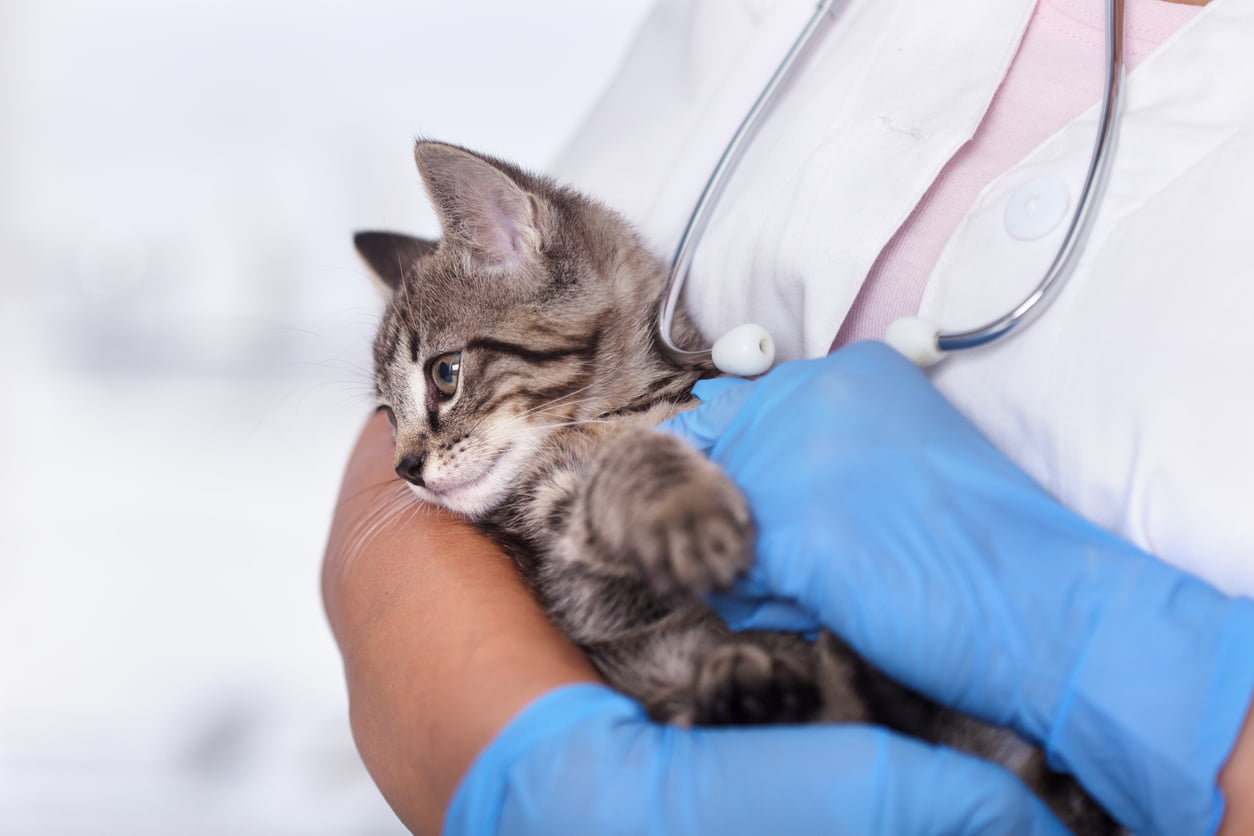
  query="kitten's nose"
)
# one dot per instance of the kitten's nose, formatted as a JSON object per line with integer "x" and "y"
{"x": 410, "y": 468}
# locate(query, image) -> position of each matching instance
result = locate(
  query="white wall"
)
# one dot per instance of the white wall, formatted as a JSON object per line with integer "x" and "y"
{"x": 184, "y": 333}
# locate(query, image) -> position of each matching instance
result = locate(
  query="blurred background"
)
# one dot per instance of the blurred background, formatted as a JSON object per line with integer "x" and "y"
{"x": 184, "y": 361}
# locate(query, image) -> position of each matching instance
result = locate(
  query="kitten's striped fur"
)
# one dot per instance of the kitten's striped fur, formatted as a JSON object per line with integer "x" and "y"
{"x": 518, "y": 359}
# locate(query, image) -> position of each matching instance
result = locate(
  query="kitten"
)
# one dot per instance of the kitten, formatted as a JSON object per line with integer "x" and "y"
{"x": 517, "y": 360}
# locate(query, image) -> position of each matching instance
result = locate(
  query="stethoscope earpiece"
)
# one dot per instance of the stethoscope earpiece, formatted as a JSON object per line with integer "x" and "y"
{"x": 916, "y": 339}
{"x": 745, "y": 351}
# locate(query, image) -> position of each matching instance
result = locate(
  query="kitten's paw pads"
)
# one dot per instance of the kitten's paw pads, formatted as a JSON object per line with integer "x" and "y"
{"x": 744, "y": 684}
{"x": 670, "y": 516}
{"x": 699, "y": 544}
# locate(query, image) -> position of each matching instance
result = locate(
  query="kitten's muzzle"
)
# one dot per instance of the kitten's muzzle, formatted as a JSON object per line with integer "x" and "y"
{"x": 410, "y": 468}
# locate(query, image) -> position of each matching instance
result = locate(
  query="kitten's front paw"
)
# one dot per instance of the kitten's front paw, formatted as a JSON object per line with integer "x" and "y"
{"x": 658, "y": 509}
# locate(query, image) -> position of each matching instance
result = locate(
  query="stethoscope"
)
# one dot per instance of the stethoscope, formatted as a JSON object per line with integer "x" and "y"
{"x": 748, "y": 349}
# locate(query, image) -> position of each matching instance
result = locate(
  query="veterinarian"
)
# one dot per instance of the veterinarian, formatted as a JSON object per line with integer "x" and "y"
{"x": 983, "y": 532}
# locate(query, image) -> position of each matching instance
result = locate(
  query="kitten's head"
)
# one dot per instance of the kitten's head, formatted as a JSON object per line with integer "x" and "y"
{"x": 533, "y": 311}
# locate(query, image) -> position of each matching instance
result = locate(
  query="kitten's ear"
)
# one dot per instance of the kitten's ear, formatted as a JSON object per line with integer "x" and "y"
{"x": 482, "y": 206}
{"x": 390, "y": 255}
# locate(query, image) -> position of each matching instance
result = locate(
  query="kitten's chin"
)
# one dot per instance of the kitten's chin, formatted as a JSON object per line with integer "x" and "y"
{"x": 475, "y": 497}
{"x": 472, "y": 500}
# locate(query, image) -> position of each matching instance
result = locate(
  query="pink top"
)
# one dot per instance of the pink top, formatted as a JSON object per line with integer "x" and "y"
{"x": 1056, "y": 75}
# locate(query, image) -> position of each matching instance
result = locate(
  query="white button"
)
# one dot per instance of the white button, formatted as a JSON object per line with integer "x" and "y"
{"x": 1037, "y": 207}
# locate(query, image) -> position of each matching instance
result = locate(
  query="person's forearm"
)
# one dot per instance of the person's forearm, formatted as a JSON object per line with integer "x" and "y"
{"x": 1237, "y": 783}
{"x": 442, "y": 642}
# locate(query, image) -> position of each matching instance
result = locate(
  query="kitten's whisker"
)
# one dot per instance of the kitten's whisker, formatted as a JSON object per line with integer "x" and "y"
{"x": 551, "y": 406}
{"x": 553, "y": 403}
{"x": 574, "y": 423}
{"x": 510, "y": 421}
{"x": 400, "y": 502}
{"x": 376, "y": 486}
{"x": 522, "y": 419}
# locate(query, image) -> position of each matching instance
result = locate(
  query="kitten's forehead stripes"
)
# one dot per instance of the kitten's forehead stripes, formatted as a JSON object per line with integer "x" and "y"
{"x": 586, "y": 348}
{"x": 554, "y": 373}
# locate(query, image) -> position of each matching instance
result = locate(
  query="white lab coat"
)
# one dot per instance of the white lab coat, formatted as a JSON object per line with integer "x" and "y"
{"x": 1131, "y": 398}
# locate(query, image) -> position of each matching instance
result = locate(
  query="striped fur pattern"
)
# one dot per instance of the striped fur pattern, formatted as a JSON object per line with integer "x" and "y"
{"x": 517, "y": 360}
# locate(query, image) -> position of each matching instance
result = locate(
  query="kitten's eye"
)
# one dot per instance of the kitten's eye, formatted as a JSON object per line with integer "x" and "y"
{"x": 445, "y": 371}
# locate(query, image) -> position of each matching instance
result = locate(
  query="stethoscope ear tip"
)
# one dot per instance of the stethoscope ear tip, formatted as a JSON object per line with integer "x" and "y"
{"x": 745, "y": 351}
{"x": 915, "y": 339}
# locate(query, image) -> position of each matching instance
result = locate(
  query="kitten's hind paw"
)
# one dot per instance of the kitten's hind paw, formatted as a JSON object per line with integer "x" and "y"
{"x": 744, "y": 683}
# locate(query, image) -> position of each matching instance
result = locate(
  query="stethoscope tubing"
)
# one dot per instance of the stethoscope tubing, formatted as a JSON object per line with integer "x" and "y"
{"x": 727, "y": 162}
{"x": 1036, "y": 301}
{"x": 1094, "y": 183}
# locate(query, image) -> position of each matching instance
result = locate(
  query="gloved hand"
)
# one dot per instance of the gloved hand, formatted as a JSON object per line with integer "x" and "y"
{"x": 884, "y": 514}
{"x": 585, "y": 760}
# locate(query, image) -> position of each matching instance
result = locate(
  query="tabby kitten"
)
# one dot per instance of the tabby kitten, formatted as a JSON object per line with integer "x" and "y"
{"x": 517, "y": 360}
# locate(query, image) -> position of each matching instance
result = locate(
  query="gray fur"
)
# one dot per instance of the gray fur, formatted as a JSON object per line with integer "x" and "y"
{"x": 541, "y": 302}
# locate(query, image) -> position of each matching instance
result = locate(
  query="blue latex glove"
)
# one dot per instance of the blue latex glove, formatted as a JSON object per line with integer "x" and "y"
{"x": 586, "y": 760}
{"x": 885, "y": 515}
